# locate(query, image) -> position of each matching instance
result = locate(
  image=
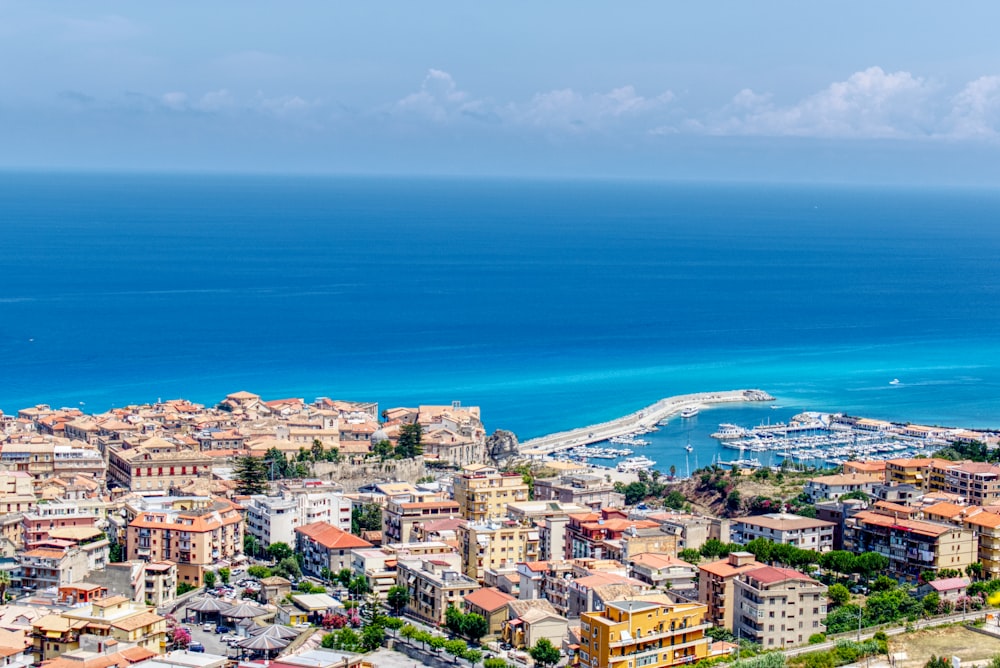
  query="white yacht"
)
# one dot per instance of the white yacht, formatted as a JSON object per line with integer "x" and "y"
{"x": 636, "y": 464}
{"x": 730, "y": 432}
{"x": 689, "y": 412}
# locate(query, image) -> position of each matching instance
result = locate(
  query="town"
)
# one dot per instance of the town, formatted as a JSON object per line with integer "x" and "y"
{"x": 333, "y": 534}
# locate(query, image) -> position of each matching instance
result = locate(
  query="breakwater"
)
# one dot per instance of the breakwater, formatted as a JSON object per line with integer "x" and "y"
{"x": 637, "y": 421}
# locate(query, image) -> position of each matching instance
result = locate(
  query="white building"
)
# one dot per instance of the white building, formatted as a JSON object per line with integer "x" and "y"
{"x": 274, "y": 519}
{"x": 802, "y": 532}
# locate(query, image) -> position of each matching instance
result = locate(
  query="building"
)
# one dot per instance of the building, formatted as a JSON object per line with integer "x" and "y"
{"x": 433, "y": 585}
{"x": 692, "y": 531}
{"x": 452, "y": 434}
{"x": 978, "y": 482}
{"x": 403, "y": 520}
{"x": 583, "y": 490}
{"x": 832, "y": 487}
{"x": 17, "y": 492}
{"x": 156, "y": 465}
{"x": 802, "y": 532}
{"x": 715, "y": 586}
{"x": 913, "y": 546}
{"x": 324, "y": 546}
{"x": 664, "y": 571}
{"x": 491, "y": 605}
{"x": 483, "y": 492}
{"x": 273, "y": 519}
{"x": 113, "y": 619}
{"x": 627, "y": 634}
{"x": 779, "y": 607}
{"x": 196, "y": 533}
{"x": 918, "y": 472}
{"x": 38, "y": 524}
{"x": 495, "y": 545}
{"x": 987, "y": 525}
{"x": 592, "y": 535}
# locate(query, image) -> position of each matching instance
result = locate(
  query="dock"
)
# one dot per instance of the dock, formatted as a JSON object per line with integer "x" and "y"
{"x": 637, "y": 421}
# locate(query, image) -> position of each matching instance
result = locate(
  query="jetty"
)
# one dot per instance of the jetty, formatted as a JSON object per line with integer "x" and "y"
{"x": 640, "y": 420}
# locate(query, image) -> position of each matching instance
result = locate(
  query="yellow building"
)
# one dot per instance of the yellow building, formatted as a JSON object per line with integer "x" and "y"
{"x": 116, "y": 617}
{"x": 926, "y": 473}
{"x": 483, "y": 492}
{"x": 629, "y": 634}
{"x": 988, "y": 527}
{"x": 496, "y": 546}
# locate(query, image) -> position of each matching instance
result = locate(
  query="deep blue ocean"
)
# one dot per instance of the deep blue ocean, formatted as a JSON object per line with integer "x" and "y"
{"x": 551, "y": 304}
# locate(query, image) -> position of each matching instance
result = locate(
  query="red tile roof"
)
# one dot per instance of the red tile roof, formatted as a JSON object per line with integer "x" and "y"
{"x": 331, "y": 537}
{"x": 488, "y": 599}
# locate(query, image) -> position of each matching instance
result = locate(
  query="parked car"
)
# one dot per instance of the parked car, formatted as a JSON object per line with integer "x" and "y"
{"x": 209, "y": 627}
{"x": 222, "y": 629}
{"x": 196, "y": 647}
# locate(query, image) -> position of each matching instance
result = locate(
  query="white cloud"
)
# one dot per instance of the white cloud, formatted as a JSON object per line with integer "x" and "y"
{"x": 570, "y": 109}
{"x": 868, "y": 104}
{"x": 100, "y": 29}
{"x": 439, "y": 99}
{"x": 976, "y": 110}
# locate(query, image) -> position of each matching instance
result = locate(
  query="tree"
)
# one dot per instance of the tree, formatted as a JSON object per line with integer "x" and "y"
{"x": 372, "y": 637}
{"x": 456, "y": 648}
{"x": 713, "y": 547}
{"x": 931, "y": 602}
{"x": 869, "y": 564}
{"x": 673, "y": 471}
{"x": 474, "y": 626}
{"x": 116, "y": 554}
{"x": 251, "y": 476}
{"x": 839, "y": 594}
{"x": 4, "y": 585}
{"x": 250, "y": 544}
{"x": 288, "y": 568}
{"x": 209, "y": 579}
{"x": 278, "y": 551}
{"x": 733, "y": 500}
{"x": 544, "y": 653}
{"x": 453, "y": 619}
{"x": 473, "y": 656}
{"x": 689, "y": 555}
{"x": 493, "y": 662}
{"x": 382, "y": 449}
{"x": 398, "y": 597}
{"x": 437, "y": 642}
{"x": 359, "y": 586}
{"x": 224, "y": 574}
{"x": 408, "y": 445}
{"x": 181, "y": 637}
{"x": 259, "y": 572}
{"x": 367, "y": 517}
{"x": 317, "y": 450}
{"x": 344, "y": 576}
{"x": 975, "y": 570}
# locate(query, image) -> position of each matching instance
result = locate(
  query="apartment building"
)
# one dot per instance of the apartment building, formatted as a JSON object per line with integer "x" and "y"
{"x": 112, "y": 619}
{"x": 716, "y": 586}
{"x": 664, "y": 571}
{"x": 495, "y": 546}
{"x": 38, "y": 524}
{"x": 583, "y": 490}
{"x": 926, "y": 473}
{"x": 987, "y": 525}
{"x": 692, "y": 531}
{"x": 43, "y": 458}
{"x": 433, "y": 585}
{"x": 832, "y": 487}
{"x": 779, "y": 607}
{"x": 802, "y": 532}
{"x": 401, "y": 520}
{"x": 912, "y": 546}
{"x": 273, "y": 519}
{"x": 588, "y": 534}
{"x": 453, "y": 434}
{"x": 156, "y": 466}
{"x": 628, "y": 634}
{"x": 17, "y": 492}
{"x": 197, "y": 533}
{"x": 483, "y": 492}
{"x": 978, "y": 482}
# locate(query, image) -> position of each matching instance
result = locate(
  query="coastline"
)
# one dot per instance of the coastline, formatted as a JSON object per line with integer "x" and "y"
{"x": 645, "y": 417}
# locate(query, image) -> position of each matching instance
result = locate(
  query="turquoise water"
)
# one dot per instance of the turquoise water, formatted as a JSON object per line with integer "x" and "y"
{"x": 550, "y": 304}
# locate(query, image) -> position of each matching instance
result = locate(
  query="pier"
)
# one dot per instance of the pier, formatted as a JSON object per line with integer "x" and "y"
{"x": 640, "y": 420}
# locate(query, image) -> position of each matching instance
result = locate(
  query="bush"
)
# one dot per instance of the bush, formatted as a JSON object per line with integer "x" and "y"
{"x": 817, "y": 638}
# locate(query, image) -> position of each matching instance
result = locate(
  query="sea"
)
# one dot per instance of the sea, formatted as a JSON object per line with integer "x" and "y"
{"x": 550, "y": 304}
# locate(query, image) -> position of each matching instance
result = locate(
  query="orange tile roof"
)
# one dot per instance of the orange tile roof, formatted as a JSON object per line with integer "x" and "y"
{"x": 488, "y": 599}
{"x": 126, "y": 657}
{"x": 331, "y": 537}
{"x": 773, "y": 574}
{"x": 984, "y": 519}
{"x": 945, "y": 509}
{"x": 724, "y": 569}
{"x": 137, "y": 621}
{"x": 916, "y": 526}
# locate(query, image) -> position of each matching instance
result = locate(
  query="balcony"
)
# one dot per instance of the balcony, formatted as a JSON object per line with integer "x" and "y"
{"x": 661, "y": 634}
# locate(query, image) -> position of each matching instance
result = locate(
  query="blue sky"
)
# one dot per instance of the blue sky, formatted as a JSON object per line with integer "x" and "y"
{"x": 889, "y": 91}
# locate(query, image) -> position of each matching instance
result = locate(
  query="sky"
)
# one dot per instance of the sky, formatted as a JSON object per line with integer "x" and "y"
{"x": 896, "y": 92}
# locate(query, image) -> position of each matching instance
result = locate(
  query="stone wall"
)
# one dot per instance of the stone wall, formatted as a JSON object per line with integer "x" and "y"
{"x": 356, "y": 472}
